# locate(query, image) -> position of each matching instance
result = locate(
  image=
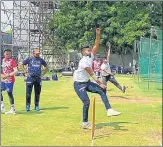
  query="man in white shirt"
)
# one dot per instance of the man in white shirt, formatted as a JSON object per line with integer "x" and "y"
{"x": 108, "y": 76}
{"x": 82, "y": 83}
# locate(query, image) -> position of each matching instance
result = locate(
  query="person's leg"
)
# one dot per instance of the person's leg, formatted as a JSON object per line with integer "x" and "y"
{"x": 29, "y": 86}
{"x": 80, "y": 89}
{"x": 98, "y": 75}
{"x": 9, "y": 88}
{"x": 2, "y": 103}
{"x": 1, "y": 97}
{"x": 114, "y": 81}
{"x": 95, "y": 88}
{"x": 11, "y": 98}
{"x": 104, "y": 81}
{"x": 37, "y": 88}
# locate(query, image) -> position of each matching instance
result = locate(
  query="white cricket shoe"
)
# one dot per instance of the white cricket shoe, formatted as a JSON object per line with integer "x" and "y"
{"x": 112, "y": 112}
{"x": 3, "y": 110}
{"x": 86, "y": 125}
{"x": 11, "y": 112}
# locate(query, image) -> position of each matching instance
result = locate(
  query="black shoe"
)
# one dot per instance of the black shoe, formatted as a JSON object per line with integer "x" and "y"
{"x": 124, "y": 89}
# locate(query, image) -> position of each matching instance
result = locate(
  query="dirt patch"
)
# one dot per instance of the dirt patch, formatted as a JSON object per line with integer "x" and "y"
{"x": 135, "y": 100}
{"x": 157, "y": 136}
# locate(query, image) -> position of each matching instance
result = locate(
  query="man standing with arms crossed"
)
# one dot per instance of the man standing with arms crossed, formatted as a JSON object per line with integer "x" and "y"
{"x": 82, "y": 83}
{"x": 9, "y": 69}
{"x": 34, "y": 75}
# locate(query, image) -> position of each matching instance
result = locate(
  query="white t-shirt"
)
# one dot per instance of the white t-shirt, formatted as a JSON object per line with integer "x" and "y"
{"x": 105, "y": 67}
{"x": 80, "y": 75}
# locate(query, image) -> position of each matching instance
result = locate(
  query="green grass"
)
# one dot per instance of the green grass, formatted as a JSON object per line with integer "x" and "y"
{"x": 59, "y": 121}
{"x": 155, "y": 88}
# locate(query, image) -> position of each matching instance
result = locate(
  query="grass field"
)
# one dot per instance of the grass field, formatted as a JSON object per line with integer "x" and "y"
{"x": 59, "y": 121}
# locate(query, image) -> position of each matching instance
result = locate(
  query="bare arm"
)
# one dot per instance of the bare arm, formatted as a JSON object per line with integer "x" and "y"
{"x": 90, "y": 72}
{"x": 4, "y": 76}
{"x": 46, "y": 68}
{"x": 24, "y": 68}
{"x": 97, "y": 42}
{"x": 14, "y": 72}
{"x": 108, "y": 56}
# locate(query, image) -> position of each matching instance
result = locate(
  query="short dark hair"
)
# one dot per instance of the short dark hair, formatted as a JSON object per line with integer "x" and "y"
{"x": 7, "y": 50}
{"x": 84, "y": 47}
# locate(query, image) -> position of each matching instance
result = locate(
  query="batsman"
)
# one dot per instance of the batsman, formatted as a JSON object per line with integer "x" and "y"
{"x": 82, "y": 83}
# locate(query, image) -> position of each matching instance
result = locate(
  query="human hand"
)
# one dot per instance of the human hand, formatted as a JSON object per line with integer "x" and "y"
{"x": 4, "y": 76}
{"x": 26, "y": 74}
{"x": 103, "y": 86}
{"x": 98, "y": 31}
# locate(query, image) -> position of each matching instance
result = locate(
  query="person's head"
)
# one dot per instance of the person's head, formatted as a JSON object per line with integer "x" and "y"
{"x": 7, "y": 53}
{"x": 86, "y": 51}
{"x": 105, "y": 61}
{"x": 36, "y": 52}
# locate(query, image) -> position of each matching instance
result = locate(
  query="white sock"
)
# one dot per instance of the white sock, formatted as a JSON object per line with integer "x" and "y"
{"x": 84, "y": 123}
{"x": 2, "y": 104}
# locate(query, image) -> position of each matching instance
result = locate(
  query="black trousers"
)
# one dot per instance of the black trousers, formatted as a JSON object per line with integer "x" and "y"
{"x": 9, "y": 88}
{"x": 11, "y": 97}
{"x": 111, "y": 78}
{"x": 36, "y": 82}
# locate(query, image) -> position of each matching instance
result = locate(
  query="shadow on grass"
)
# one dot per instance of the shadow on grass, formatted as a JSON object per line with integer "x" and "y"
{"x": 102, "y": 136}
{"x": 115, "y": 125}
{"x": 29, "y": 112}
{"x": 32, "y": 111}
{"x": 54, "y": 108}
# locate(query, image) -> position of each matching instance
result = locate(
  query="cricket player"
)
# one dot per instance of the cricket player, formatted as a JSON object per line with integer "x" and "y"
{"x": 96, "y": 66}
{"x": 9, "y": 69}
{"x": 34, "y": 74}
{"x": 82, "y": 83}
{"x": 108, "y": 76}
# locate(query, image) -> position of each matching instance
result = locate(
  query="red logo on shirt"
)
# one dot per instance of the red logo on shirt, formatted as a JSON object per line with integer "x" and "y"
{"x": 96, "y": 66}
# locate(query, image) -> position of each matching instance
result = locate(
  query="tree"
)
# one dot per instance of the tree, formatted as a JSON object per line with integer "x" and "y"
{"x": 121, "y": 22}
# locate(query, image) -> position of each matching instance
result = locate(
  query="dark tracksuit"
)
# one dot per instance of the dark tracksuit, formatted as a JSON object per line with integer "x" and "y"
{"x": 34, "y": 79}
